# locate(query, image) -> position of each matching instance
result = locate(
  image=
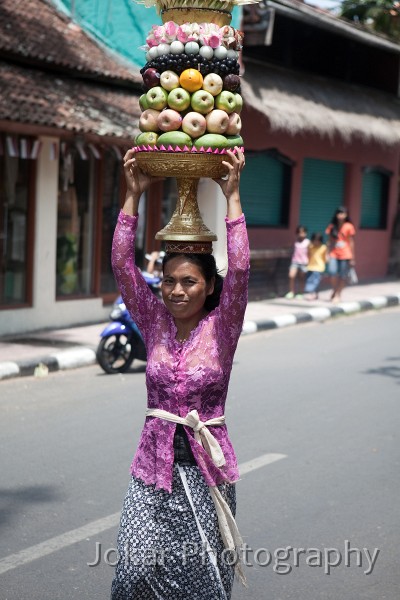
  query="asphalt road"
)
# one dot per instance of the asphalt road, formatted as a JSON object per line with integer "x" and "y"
{"x": 325, "y": 397}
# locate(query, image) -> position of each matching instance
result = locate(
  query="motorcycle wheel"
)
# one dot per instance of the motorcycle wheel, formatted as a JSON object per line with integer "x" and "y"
{"x": 115, "y": 353}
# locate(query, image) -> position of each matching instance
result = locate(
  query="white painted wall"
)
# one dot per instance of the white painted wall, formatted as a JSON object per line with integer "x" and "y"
{"x": 46, "y": 312}
{"x": 212, "y": 206}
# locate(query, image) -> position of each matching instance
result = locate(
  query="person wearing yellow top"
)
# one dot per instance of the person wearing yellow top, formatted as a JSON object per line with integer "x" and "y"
{"x": 317, "y": 259}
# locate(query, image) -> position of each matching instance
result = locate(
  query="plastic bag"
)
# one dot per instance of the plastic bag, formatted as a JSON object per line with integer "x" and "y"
{"x": 352, "y": 277}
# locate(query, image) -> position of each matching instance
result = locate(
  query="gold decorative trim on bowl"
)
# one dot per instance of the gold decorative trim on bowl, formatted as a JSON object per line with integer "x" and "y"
{"x": 188, "y": 247}
{"x": 196, "y": 15}
{"x": 182, "y": 164}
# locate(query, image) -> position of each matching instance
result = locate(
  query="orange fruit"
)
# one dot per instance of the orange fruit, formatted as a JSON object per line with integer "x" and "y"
{"x": 191, "y": 80}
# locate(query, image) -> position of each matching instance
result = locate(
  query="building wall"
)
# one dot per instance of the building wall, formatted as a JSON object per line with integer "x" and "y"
{"x": 372, "y": 247}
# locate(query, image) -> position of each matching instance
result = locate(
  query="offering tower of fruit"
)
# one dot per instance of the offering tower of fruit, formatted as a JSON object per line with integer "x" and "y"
{"x": 190, "y": 107}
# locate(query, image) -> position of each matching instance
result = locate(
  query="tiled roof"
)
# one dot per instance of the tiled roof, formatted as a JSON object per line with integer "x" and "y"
{"x": 35, "y": 32}
{"x": 38, "y": 98}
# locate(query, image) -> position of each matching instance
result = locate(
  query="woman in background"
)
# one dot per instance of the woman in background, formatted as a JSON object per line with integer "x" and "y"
{"x": 341, "y": 232}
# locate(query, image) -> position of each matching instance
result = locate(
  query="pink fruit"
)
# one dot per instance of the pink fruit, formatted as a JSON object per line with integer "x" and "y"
{"x": 194, "y": 124}
{"x": 234, "y": 125}
{"x": 217, "y": 121}
{"x": 148, "y": 120}
{"x": 169, "y": 120}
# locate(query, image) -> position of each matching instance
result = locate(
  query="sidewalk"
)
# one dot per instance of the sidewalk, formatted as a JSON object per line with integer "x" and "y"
{"x": 45, "y": 351}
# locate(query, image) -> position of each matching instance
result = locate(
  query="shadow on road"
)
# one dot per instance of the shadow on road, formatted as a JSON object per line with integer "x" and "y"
{"x": 19, "y": 499}
{"x": 390, "y": 370}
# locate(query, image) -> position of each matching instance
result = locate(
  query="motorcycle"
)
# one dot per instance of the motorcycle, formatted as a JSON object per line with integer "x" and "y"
{"x": 121, "y": 341}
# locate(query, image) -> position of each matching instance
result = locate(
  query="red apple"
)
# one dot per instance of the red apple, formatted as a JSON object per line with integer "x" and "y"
{"x": 217, "y": 121}
{"x": 194, "y": 124}
{"x": 169, "y": 120}
{"x": 212, "y": 83}
{"x": 234, "y": 125}
{"x": 151, "y": 78}
{"x": 148, "y": 120}
{"x": 231, "y": 82}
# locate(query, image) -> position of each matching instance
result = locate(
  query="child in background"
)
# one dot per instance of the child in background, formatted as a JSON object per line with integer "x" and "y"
{"x": 317, "y": 259}
{"x": 299, "y": 262}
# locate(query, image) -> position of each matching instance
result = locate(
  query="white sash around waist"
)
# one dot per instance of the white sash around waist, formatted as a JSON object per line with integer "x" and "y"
{"x": 227, "y": 525}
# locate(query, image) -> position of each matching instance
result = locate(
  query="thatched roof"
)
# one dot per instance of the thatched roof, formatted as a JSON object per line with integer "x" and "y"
{"x": 296, "y": 103}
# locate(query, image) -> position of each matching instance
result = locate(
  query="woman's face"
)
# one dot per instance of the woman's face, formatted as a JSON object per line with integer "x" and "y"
{"x": 341, "y": 216}
{"x": 184, "y": 289}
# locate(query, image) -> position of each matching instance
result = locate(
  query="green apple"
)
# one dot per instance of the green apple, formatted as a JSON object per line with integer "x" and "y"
{"x": 239, "y": 102}
{"x": 224, "y": 101}
{"x": 175, "y": 138}
{"x": 157, "y": 98}
{"x": 143, "y": 102}
{"x": 211, "y": 140}
{"x": 147, "y": 138}
{"x": 234, "y": 140}
{"x": 179, "y": 99}
{"x": 202, "y": 102}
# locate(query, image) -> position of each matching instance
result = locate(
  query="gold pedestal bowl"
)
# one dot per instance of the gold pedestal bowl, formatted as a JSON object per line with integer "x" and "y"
{"x": 186, "y": 231}
{"x": 181, "y": 15}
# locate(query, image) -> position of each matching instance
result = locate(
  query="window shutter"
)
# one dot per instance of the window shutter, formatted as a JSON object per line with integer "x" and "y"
{"x": 374, "y": 200}
{"x": 322, "y": 192}
{"x": 262, "y": 190}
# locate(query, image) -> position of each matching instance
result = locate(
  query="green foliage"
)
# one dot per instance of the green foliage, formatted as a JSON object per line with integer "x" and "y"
{"x": 381, "y": 16}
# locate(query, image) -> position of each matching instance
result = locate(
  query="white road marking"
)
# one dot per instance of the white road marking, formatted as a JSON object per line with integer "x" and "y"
{"x": 260, "y": 461}
{"x": 95, "y": 527}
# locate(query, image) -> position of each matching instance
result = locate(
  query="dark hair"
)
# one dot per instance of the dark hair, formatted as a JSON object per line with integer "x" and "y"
{"x": 335, "y": 229}
{"x": 301, "y": 227}
{"x": 208, "y": 267}
{"x": 317, "y": 237}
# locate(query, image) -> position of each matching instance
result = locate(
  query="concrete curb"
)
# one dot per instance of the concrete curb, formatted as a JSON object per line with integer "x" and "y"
{"x": 81, "y": 356}
{"x": 321, "y": 313}
{"x": 40, "y": 367}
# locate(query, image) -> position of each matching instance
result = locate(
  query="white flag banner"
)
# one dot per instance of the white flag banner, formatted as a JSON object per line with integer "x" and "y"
{"x": 36, "y": 147}
{"x": 23, "y": 148}
{"x": 81, "y": 150}
{"x": 12, "y": 146}
{"x": 117, "y": 151}
{"x": 53, "y": 150}
{"x": 94, "y": 151}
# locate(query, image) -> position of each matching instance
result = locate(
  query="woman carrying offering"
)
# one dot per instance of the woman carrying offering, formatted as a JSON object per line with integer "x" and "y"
{"x": 178, "y": 538}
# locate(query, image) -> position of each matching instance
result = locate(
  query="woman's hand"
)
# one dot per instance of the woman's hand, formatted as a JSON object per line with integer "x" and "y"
{"x": 137, "y": 182}
{"x": 230, "y": 184}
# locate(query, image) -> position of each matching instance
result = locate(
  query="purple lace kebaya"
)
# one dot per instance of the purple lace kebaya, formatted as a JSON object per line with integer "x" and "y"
{"x": 181, "y": 377}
